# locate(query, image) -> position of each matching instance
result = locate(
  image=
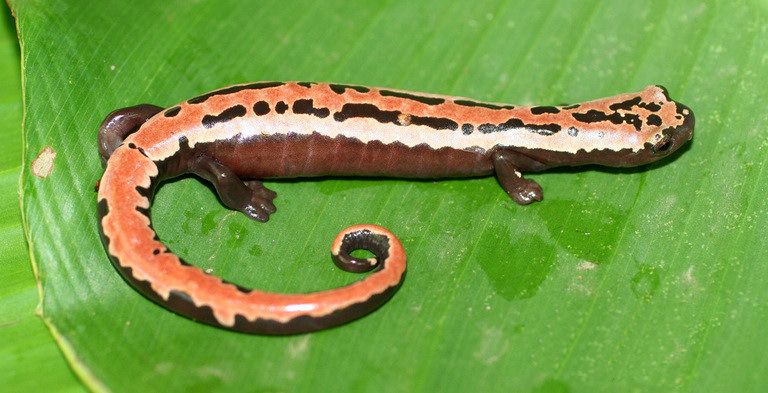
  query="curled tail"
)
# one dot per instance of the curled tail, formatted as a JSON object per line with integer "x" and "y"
{"x": 124, "y": 199}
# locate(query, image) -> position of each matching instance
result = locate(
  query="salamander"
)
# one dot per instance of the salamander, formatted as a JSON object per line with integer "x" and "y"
{"x": 237, "y": 136}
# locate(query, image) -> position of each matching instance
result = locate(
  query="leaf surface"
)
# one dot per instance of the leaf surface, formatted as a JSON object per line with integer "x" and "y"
{"x": 646, "y": 279}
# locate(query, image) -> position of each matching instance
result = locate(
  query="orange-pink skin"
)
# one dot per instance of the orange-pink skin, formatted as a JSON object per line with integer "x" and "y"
{"x": 131, "y": 239}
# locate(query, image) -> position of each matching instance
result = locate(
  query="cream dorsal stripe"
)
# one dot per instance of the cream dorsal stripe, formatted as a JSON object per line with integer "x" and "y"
{"x": 437, "y": 121}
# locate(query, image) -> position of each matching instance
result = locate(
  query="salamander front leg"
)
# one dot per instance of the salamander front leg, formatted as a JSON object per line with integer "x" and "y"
{"x": 250, "y": 197}
{"x": 521, "y": 190}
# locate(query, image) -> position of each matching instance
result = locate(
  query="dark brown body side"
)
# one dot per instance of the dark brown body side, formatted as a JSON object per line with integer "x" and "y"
{"x": 281, "y": 156}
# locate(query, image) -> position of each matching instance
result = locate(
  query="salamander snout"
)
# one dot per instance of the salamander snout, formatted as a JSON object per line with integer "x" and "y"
{"x": 675, "y": 137}
{"x": 689, "y": 120}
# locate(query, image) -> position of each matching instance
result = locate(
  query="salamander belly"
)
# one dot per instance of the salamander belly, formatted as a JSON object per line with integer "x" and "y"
{"x": 285, "y": 156}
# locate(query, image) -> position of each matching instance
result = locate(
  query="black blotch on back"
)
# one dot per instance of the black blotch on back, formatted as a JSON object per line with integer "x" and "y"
{"x": 305, "y": 106}
{"x": 305, "y": 84}
{"x": 594, "y": 116}
{"x": 438, "y": 123}
{"x": 628, "y": 104}
{"x": 539, "y": 110}
{"x": 654, "y": 120}
{"x": 422, "y": 99}
{"x": 281, "y": 107}
{"x": 591, "y": 116}
{"x": 467, "y": 128}
{"x": 653, "y": 107}
{"x": 541, "y": 129}
{"x": 339, "y": 89}
{"x": 261, "y": 108}
{"x": 223, "y": 117}
{"x": 482, "y": 104}
{"x": 366, "y": 110}
{"x": 234, "y": 89}
{"x": 172, "y": 112}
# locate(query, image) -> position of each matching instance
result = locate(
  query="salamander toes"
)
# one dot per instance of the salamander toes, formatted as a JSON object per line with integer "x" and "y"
{"x": 525, "y": 191}
{"x": 256, "y": 213}
{"x": 259, "y": 203}
{"x": 265, "y": 205}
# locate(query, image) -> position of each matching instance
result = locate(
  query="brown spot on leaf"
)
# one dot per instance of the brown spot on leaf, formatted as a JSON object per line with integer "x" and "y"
{"x": 42, "y": 165}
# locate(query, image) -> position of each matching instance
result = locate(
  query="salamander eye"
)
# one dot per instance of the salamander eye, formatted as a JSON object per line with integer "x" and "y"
{"x": 663, "y": 146}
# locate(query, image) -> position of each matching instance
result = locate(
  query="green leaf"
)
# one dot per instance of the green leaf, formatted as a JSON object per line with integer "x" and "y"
{"x": 29, "y": 358}
{"x": 645, "y": 279}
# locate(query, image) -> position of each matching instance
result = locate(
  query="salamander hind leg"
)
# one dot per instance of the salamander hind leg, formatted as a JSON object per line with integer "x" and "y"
{"x": 249, "y": 197}
{"x": 521, "y": 190}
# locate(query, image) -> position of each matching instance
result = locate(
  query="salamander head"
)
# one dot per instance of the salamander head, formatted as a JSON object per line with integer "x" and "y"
{"x": 644, "y": 127}
{"x": 675, "y": 130}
